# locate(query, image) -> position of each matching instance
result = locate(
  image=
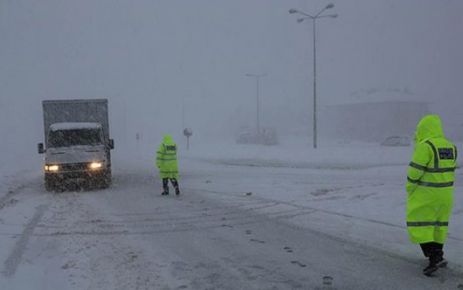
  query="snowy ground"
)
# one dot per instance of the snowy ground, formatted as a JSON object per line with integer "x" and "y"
{"x": 251, "y": 218}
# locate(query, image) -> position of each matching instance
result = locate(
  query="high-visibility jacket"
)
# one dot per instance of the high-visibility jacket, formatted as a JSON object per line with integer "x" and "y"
{"x": 166, "y": 158}
{"x": 430, "y": 180}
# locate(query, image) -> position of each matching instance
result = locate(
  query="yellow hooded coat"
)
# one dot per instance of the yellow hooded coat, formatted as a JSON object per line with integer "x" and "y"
{"x": 166, "y": 158}
{"x": 430, "y": 179}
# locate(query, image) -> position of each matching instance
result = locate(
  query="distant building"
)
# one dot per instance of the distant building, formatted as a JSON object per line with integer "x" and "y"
{"x": 374, "y": 115}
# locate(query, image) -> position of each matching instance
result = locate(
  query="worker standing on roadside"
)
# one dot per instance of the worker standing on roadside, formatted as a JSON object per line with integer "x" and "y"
{"x": 166, "y": 161}
{"x": 430, "y": 180}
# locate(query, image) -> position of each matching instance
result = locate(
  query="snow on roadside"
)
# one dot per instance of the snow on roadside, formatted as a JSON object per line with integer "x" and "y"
{"x": 300, "y": 154}
{"x": 357, "y": 189}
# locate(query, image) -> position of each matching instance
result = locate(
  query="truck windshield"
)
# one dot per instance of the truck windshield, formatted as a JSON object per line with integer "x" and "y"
{"x": 66, "y": 138}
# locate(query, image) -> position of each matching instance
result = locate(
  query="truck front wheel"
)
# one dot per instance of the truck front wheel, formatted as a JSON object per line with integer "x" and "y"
{"x": 50, "y": 183}
{"x": 101, "y": 181}
{"x": 106, "y": 179}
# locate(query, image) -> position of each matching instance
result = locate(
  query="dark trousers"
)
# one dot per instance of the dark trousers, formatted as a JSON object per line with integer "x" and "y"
{"x": 165, "y": 184}
{"x": 433, "y": 251}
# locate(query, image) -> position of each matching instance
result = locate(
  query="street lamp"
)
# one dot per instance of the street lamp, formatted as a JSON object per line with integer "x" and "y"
{"x": 304, "y": 17}
{"x": 257, "y": 77}
{"x": 183, "y": 113}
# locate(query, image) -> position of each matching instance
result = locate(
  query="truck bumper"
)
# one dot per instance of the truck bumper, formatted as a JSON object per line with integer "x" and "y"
{"x": 100, "y": 178}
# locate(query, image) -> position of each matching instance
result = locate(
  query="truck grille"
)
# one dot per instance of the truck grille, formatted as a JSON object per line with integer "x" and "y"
{"x": 74, "y": 166}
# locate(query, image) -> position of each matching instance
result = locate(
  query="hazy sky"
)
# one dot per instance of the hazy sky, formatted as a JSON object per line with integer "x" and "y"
{"x": 146, "y": 56}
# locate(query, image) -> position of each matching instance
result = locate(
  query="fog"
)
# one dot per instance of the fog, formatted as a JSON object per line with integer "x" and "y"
{"x": 155, "y": 59}
{"x": 242, "y": 207}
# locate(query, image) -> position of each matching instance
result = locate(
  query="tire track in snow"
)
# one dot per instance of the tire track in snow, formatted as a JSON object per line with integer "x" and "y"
{"x": 14, "y": 259}
{"x": 5, "y": 200}
{"x": 325, "y": 211}
{"x": 201, "y": 216}
{"x": 151, "y": 229}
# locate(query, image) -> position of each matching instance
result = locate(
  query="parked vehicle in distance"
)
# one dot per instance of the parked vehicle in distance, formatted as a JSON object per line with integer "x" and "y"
{"x": 396, "y": 141}
{"x": 77, "y": 143}
{"x": 266, "y": 136}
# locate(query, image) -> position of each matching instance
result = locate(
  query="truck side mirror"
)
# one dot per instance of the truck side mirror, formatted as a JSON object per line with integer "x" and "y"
{"x": 111, "y": 143}
{"x": 40, "y": 148}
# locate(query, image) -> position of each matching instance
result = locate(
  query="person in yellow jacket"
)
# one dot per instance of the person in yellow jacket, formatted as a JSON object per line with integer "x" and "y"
{"x": 430, "y": 179}
{"x": 166, "y": 161}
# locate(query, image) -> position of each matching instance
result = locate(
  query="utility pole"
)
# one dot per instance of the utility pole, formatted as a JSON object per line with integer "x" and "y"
{"x": 257, "y": 78}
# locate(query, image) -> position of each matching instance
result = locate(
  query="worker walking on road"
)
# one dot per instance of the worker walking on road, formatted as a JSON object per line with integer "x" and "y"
{"x": 166, "y": 161}
{"x": 430, "y": 180}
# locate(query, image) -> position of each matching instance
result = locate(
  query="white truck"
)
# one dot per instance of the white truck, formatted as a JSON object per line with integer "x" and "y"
{"x": 77, "y": 143}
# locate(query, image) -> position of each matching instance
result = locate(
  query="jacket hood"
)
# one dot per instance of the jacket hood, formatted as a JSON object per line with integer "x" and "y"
{"x": 430, "y": 126}
{"x": 168, "y": 139}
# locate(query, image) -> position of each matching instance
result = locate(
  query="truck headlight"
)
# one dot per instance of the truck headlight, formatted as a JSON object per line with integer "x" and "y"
{"x": 51, "y": 168}
{"x": 95, "y": 165}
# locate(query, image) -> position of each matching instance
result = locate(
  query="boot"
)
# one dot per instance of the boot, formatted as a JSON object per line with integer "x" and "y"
{"x": 442, "y": 263}
{"x": 436, "y": 261}
{"x": 165, "y": 186}
{"x": 431, "y": 268}
{"x": 175, "y": 184}
{"x": 439, "y": 259}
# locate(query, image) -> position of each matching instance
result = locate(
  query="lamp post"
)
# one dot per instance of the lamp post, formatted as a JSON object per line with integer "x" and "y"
{"x": 257, "y": 77}
{"x": 306, "y": 16}
{"x": 183, "y": 113}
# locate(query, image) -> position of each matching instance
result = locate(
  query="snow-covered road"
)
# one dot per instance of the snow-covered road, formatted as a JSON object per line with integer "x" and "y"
{"x": 235, "y": 226}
